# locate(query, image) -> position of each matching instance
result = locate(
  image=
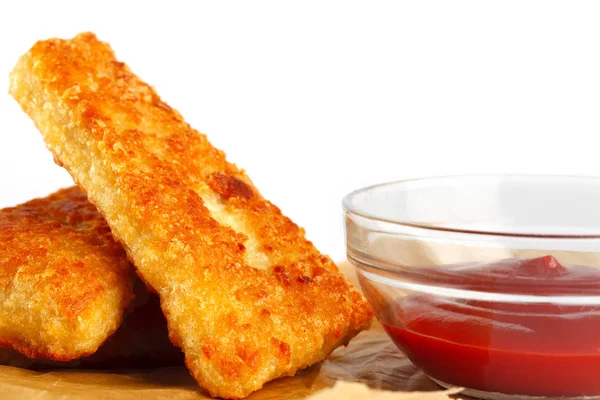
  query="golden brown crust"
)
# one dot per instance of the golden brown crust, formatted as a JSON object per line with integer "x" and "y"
{"x": 246, "y": 296}
{"x": 65, "y": 285}
{"x": 64, "y": 282}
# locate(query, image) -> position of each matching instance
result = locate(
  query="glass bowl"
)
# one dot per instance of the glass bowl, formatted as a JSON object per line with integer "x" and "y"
{"x": 490, "y": 283}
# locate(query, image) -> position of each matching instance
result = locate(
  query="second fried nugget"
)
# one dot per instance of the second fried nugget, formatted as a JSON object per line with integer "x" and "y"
{"x": 64, "y": 282}
{"x": 65, "y": 286}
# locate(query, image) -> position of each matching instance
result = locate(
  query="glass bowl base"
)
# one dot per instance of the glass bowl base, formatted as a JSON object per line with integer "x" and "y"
{"x": 480, "y": 394}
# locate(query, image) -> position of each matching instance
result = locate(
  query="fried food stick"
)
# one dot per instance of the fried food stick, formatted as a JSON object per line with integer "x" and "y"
{"x": 64, "y": 281}
{"x": 65, "y": 285}
{"x": 246, "y": 296}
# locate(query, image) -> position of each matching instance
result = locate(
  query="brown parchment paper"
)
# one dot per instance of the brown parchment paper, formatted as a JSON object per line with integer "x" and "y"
{"x": 371, "y": 358}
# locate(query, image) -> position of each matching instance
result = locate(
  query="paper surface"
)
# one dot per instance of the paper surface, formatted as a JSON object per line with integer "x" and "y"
{"x": 370, "y": 358}
{"x": 359, "y": 391}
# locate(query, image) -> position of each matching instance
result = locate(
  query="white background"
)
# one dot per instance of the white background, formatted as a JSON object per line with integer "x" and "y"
{"x": 315, "y": 99}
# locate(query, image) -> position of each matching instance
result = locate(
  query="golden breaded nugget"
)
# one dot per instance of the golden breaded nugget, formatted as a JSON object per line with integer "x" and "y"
{"x": 64, "y": 281}
{"x": 246, "y": 296}
{"x": 65, "y": 285}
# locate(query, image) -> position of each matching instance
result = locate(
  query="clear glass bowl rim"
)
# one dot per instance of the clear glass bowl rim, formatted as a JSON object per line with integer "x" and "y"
{"x": 349, "y": 208}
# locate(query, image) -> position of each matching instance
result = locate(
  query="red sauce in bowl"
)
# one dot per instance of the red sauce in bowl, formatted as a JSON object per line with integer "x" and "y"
{"x": 533, "y": 349}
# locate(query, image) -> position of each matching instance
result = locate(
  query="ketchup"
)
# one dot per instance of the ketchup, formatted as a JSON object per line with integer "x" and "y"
{"x": 532, "y": 349}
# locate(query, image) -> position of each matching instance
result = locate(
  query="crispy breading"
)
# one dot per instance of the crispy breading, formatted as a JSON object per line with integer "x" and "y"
{"x": 246, "y": 296}
{"x": 64, "y": 281}
{"x": 142, "y": 341}
{"x": 65, "y": 285}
